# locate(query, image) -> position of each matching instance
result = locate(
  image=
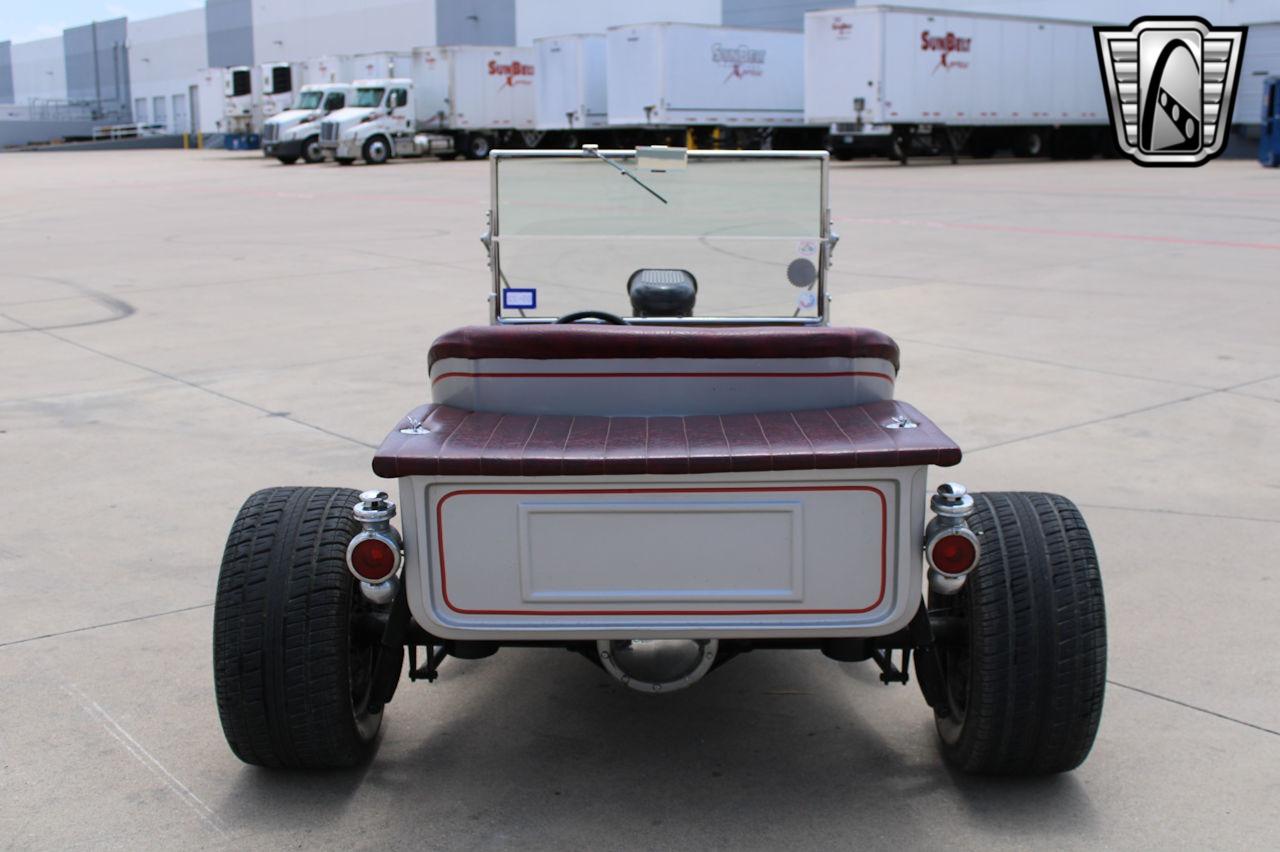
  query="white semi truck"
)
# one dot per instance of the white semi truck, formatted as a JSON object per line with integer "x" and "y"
{"x": 451, "y": 100}
{"x": 891, "y": 80}
{"x": 295, "y": 133}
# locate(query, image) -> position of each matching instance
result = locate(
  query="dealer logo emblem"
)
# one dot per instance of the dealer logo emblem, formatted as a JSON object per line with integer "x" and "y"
{"x": 1171, "y": 83}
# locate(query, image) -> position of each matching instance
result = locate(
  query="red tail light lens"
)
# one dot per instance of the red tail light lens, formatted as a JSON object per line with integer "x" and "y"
{"x": 953, "y": 554}
{"x": 374, "y": 560}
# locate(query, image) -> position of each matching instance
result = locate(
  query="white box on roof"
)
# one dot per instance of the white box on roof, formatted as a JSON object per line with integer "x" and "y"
{"x": 690, "y": 74}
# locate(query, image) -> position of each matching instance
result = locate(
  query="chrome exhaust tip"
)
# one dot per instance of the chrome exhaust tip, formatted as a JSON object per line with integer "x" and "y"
{"x": 657, "y": 665}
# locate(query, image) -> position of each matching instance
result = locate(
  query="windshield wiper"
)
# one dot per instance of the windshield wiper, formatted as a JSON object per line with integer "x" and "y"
{"x": 592, "y": 150}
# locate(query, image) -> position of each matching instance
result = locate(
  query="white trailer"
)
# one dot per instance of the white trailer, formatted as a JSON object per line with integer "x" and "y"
{"x": 240, "y": 108}
{"x": 569, "y": 86}
{"x": 960, "y": 80}
{"x": 280, "y": 84}
{"x": 442, "y": 100}
{"x": 325, "y": 70}
{"x": 691, "y": 75}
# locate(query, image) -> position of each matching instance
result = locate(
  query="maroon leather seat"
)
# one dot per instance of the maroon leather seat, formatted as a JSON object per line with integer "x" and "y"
{"x": 457, "y": 442}
{"x": 631, "y": 341}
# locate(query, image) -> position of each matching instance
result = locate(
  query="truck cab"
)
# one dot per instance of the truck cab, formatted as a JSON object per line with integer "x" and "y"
{"x": 383, "y": 122}
{"x": 1269, "y": 144}
{"x": 295, "y": 132}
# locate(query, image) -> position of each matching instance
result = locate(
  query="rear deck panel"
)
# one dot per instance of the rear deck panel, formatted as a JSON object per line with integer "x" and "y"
{"x": 813, "y": 553}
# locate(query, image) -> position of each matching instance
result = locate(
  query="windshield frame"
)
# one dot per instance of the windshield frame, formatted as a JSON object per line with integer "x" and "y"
{"x": 826, "y": 238}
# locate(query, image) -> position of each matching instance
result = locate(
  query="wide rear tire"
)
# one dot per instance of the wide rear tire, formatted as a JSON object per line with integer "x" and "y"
{"x": 1026, "y": 673}
{"x": 292, "y": 652}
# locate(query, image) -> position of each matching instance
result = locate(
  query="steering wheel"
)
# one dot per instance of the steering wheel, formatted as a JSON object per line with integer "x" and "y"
{"x": 603, "y": 316}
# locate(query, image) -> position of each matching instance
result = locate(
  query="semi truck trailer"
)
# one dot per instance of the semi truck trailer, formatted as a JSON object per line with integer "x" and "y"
{"x": 571, "y": 96}
{"x": 295, "y": 133}
{"x": 891, "y": 80}
{"x": 439, "y": 101}
{"x": 730, "y": 86}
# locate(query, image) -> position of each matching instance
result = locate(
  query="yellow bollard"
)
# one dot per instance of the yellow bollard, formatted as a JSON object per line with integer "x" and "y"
{"x": 184, "y": 142}
{"x": 689, "y": 141}
{"x": 200, "y": 140}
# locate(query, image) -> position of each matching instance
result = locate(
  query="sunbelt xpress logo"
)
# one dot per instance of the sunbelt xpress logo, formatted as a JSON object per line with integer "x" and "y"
{"x": 945, "y": 46}
{"x": 514, "y": 73}
{"x": 741, "y": 61}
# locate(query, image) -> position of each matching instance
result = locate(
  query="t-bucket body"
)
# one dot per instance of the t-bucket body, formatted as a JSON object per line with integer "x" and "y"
{"x": 659, "y": 454}
{"x": 742, "y": 474}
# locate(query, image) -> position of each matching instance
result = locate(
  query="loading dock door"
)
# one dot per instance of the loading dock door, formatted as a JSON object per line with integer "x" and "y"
{"x": 180, "y": 119}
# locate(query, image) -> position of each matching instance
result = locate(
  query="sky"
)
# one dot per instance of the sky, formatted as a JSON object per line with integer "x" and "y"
{"x": 27, "y": 20}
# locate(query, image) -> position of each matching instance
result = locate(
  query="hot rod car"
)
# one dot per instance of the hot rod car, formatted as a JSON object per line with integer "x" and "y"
{"x": 659, "y": 454}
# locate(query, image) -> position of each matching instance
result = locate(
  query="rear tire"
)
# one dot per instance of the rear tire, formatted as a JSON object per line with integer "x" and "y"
{"x": 311, "y": 150}
{"x": 1029, "y": 143}
{"x": 293, "y": 658}
{"x": 478, "y": 146}
{"x": 1025, "y": 679}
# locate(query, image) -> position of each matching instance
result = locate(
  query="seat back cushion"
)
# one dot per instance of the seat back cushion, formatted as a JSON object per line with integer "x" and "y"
{"x": 605, "y": 370}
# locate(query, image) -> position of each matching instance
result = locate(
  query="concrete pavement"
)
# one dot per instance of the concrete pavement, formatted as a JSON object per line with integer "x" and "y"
{"x": 178, "y": 329}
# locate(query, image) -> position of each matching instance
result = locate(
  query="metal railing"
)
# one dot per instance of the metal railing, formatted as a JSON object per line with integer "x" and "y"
{"x": 128, "y": 131}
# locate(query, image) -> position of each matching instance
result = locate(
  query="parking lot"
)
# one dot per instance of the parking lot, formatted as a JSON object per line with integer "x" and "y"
{"x": 178, "y": 329}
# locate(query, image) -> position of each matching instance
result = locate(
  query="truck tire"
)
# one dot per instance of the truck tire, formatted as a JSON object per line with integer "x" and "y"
{"x": 478, "y": 146}
{"x": 377, "y": 150}
{"x": 1029, "y": 143}
{"x": 287, "y": 160}
{"x": 345, "y": 161}
{"x": 1025, "y": 674}
{"x": 311, "y": 150}
{"x": 293, "y": 656}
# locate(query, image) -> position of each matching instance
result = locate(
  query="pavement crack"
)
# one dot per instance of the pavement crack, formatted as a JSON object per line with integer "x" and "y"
{"x": 1179, "y": 513}
{"x": 1048, "y": 362}
{"x": 1195, "y": 707}
{"x": 194, "y": 385}
{"x": 104, "y": 624}
{"x": 1119, "y": 415}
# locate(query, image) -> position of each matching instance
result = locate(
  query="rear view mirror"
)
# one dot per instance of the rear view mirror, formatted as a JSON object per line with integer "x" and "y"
{"x": 660, "y": 158}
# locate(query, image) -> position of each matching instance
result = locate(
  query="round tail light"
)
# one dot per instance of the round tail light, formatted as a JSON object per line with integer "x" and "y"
{"x": 373, "y": 558}
{"x": 954, "y": 552}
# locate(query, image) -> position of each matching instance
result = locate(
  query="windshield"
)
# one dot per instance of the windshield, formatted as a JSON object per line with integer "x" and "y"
{"x": 309, "y": 100}
{"x": 369, "y": 97}
{"x": 746, "y": 227}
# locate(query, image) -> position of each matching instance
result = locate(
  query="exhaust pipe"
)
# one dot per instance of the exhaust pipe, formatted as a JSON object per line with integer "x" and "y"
{"x": 657, "y": 665}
